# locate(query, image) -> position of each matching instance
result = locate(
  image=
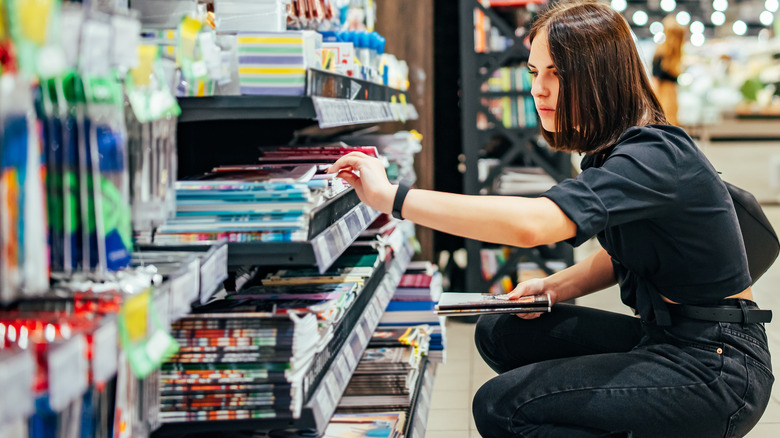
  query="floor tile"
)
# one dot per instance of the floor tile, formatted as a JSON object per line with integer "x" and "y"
{"x": 451, "y": 399}
{"x": 449, "y": 419}
{"x": 448, "y": 434}
{"x": 765, "y": 430}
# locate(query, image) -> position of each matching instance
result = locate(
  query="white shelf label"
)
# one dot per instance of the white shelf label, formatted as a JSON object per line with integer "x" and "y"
{"x": 105, "y": 351}
{"x": 16, "y": 380}
{"x": 340, "y": 112}
{"x": 67, "y": 372}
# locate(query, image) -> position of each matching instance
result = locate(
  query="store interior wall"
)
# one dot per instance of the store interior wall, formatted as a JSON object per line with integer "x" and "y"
{"x": 407, "y": 25}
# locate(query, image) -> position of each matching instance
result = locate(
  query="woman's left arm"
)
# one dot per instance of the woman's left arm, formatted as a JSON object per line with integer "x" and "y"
{"x": 511, "y": 220}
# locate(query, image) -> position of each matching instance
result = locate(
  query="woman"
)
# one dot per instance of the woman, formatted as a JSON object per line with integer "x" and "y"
{"x": 667, "y": 66}
{"x": 696, "y": 369}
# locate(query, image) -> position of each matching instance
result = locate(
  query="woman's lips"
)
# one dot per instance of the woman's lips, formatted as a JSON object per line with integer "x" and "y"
{"x": 545, "y": 109}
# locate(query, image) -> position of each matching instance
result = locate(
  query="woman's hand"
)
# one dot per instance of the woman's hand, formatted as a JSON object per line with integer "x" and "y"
{"x": 368, "y": 177}
{"x": 534, "y": 286}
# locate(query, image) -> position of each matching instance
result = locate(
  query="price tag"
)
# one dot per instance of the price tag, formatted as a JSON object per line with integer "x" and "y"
{"x": 334, "y": 387}
{"x": 357, "y": 348}
{"x": 345, "y": 232}
{"x": 333, "y": 391}
{"x": 67, "y": 372}
{"x": 126, "y": 39}
{"x": 361, "y": 333}
{"x": 184, "y": 290}
{"x": 342, "y": 370}
{"x": 95, "y": 47}
{"x": 351, "y": 361}
{"x": 162, "y": 304}
{"x": 17, "y": 370}
{"x": 105, "y": 350}
{"x": 324, "y": 403}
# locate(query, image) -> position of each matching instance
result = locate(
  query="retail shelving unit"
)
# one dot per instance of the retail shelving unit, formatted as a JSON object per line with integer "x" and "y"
{"x": 331, "y": 100}
{"x": 476, "y": 69}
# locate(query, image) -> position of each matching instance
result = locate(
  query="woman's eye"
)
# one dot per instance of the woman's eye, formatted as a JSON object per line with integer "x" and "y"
{"x": 533, "y": 73}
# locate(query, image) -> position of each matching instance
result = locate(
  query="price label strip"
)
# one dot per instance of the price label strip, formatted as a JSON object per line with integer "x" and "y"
{"x": 17, "y": 371}
{"x": 340, "y": 112}
{"x": 105, "y": 350}
{"x": 332, "y": 242}
{"x": 67, "y": 372}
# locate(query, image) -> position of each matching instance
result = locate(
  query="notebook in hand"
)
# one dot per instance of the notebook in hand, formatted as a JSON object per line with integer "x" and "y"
{"x": 465, "y": 304}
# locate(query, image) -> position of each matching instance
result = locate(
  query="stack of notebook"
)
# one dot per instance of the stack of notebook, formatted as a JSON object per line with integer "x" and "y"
{"x": 272, "y": 63}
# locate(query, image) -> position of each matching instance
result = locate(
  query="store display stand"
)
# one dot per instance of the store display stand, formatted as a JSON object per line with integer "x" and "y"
{"x": 476, "y": 68}
{"x": 331, "y": 100}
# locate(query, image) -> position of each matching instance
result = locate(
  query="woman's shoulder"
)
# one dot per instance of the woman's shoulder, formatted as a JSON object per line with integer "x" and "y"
{"x": 654, "y": 143}
{"x": 655, "y": 137}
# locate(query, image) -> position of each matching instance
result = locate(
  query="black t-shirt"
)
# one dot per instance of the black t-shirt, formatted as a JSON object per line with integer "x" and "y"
{"x": 662, "y": 212}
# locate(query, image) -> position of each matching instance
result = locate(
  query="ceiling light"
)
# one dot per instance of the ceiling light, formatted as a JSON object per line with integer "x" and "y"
{"x": 640, "y": 18}
{"x": 697, "y": 39}
{"x": 668, "y": 5}
{"x": 683, "y": 18}
{"x": 739, "y": 27}
{"x": 720, "y": 5}
{"x": 771, "y": 5}
{"x": 656, "y": 27}
{"x": 697, "y": 27}
{"x": 766, "y": 18}
{"x": 619, "y": 5}
{"x": 718, "y": 18}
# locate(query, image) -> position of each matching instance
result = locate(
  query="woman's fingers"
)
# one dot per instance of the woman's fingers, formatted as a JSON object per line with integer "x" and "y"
{"x": 353, "y": 160}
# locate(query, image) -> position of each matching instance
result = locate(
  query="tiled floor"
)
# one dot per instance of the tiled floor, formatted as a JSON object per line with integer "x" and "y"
{"x": 747, "y": 165}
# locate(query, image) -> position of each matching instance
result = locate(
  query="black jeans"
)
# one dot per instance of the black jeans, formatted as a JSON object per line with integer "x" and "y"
{"x": 582, "y": 372}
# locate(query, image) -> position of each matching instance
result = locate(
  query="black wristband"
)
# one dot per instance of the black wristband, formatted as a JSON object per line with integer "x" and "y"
{"x": 398, "y": 202}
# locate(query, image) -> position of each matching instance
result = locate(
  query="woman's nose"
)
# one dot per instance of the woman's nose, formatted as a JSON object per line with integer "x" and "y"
{"x": 538, "y": 89}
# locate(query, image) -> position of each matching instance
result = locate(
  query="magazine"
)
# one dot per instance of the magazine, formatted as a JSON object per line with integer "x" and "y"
{"x": 464, "y": 304}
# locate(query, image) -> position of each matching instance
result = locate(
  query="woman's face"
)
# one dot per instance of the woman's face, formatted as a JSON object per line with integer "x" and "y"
{"x": 544, "y": 79}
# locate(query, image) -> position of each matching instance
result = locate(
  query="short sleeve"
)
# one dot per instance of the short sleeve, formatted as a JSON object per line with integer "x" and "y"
{"x": 638, "y": 181}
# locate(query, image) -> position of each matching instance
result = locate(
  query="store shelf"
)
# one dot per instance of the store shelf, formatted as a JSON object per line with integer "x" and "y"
{"x": 321, "y": 250}
{"x": 212, "y": 257}
{"x": 329, "y": 374}
{"x": 499, "y": 94}
{"x": 331, "y": 99}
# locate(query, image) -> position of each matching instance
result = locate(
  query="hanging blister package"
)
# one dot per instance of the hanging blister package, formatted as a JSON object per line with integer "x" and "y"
{"x": 52, "y": 134}
{"x": 25, "y": 259}
{"x": 151, "y": 140}
{"x": 144, "y": 339}
{"x": 104, "y": 152}
{"x": 13, "y": 154}
{"x": 24, "y": 264}
{"x": 108, "y": 173}
{"x": 194, "y": 70}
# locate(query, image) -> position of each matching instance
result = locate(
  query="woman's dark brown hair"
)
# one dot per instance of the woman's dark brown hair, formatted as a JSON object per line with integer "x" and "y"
{"x": 604, "y": 88}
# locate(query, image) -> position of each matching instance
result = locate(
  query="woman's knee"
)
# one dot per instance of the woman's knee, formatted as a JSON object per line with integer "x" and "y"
{"x": 487, "y": 340}
{"x": 489, "y": 418}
